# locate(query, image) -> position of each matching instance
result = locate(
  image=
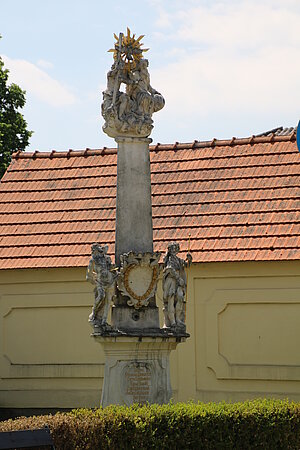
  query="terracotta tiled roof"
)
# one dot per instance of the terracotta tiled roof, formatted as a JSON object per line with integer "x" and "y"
{"x": 238, "y": 199}
{"x": 279, "y": 131}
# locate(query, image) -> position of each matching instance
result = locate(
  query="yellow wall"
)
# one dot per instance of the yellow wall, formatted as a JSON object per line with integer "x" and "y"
{"x": 244, "y": 321}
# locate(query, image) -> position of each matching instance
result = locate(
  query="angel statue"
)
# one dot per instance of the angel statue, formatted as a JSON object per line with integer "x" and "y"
{"x": 174, "y": 286}
{"x": 102, "y": 273}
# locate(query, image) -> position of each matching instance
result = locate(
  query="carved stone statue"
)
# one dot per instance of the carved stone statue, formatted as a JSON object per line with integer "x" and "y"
{"x": 102, "y": 273}
{"x": 129, "y": 113}
{"x": 174, "y": 286}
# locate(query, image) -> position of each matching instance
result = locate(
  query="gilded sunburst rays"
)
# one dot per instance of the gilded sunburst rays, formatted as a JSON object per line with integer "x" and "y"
{"x": 128, "y": 50}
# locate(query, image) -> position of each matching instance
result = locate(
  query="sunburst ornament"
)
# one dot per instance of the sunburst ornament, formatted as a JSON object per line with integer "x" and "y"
{"x": 128, "y": 49}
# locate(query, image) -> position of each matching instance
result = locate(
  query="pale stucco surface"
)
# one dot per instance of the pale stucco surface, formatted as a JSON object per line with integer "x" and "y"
{"x": 244, "y": 321}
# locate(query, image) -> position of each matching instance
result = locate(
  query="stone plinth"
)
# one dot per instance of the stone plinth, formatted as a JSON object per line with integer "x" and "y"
{"x": 128, "y": 318}
{"x": 137, "y": 369}
{"x": 133, "y": 209}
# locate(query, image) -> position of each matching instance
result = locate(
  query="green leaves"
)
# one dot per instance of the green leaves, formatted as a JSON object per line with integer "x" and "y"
{"x": 258, "y": 424}
{"x": 14, "y": 135}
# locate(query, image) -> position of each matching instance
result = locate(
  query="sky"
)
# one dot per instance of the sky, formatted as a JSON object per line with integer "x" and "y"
{"x": 226, "y": 68}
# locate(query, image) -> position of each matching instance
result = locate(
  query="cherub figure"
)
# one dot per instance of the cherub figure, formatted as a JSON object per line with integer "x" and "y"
{"x": 102, "y": 273}
{"x": 174, "y": 286}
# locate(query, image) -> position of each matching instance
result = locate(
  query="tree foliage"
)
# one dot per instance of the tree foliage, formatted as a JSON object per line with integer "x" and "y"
{"x": 13, "y": 127}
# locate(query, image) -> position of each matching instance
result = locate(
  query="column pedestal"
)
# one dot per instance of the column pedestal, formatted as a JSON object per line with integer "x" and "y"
{"x": 137, "y": 369}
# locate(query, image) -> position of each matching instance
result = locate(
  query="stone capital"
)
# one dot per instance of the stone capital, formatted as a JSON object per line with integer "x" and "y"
{"x": 132, "y": 140}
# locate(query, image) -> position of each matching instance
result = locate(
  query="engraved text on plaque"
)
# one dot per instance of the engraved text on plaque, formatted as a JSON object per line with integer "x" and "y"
{"x": 138, "y": 382}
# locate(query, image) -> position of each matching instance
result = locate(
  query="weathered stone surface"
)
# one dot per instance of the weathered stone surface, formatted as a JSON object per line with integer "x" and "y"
{"x": 136, "y": 370}
{"x": 134, "y": 230}
{"x": 135, "y": 283}
{"x": 129, "y": 113}
{"x": 102, "y": 273}
{"x": 174, "y": 286}
{"x": 128, "y": 318}
{"x": 138, "y": 277}
{"x": 137, "y": 384}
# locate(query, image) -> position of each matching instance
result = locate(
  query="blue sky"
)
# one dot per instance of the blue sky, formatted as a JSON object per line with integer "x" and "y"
{"x": 226, "y": 68}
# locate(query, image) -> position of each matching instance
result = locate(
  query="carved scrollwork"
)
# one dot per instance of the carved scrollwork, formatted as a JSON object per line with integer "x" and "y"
{"x": 138, "y": 277}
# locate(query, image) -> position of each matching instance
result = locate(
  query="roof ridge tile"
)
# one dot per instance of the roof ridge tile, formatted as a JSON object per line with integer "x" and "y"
{"x": 176, "y": 146}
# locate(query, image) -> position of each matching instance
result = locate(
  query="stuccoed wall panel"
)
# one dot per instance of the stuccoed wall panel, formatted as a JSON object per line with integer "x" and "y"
{"x": 268, "y": 333}
{"x": 248, "y": 322}
{"x": 243, "y": 319}
{"x": 47, "y": 334}
{"x": 45, "y": 341}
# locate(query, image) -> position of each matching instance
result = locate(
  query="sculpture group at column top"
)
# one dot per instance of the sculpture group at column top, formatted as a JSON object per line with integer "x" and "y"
{"x": 129, "y": 113}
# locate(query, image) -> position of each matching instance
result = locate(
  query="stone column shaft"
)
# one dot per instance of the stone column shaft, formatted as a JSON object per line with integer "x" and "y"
{"x": 134, "y": 230}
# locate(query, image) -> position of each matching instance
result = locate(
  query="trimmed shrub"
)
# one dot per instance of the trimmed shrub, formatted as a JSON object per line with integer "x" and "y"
{"x": 258, "y": 424}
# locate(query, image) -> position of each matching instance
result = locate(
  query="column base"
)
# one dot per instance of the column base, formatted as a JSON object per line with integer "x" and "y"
{"x": 137, "y": 369}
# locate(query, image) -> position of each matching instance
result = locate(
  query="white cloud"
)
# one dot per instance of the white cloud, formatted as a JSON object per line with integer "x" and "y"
{"x": 245, "y": 25}
{"x": 163, "y": 20}
{"x": 210, "y": 82}
{"x": 44, "y": 64}
{"x": 38, "y": 83}
{"x": 240, "y": 55}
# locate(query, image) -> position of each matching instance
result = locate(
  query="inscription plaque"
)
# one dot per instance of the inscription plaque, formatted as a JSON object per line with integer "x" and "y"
{"x": 137, "y": 382}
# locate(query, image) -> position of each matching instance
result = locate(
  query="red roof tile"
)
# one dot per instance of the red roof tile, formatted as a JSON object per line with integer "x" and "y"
{"x": 239, "y": 200}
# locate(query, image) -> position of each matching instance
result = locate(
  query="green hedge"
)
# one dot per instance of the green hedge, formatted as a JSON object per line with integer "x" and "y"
{"x": 259, "y": 424}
